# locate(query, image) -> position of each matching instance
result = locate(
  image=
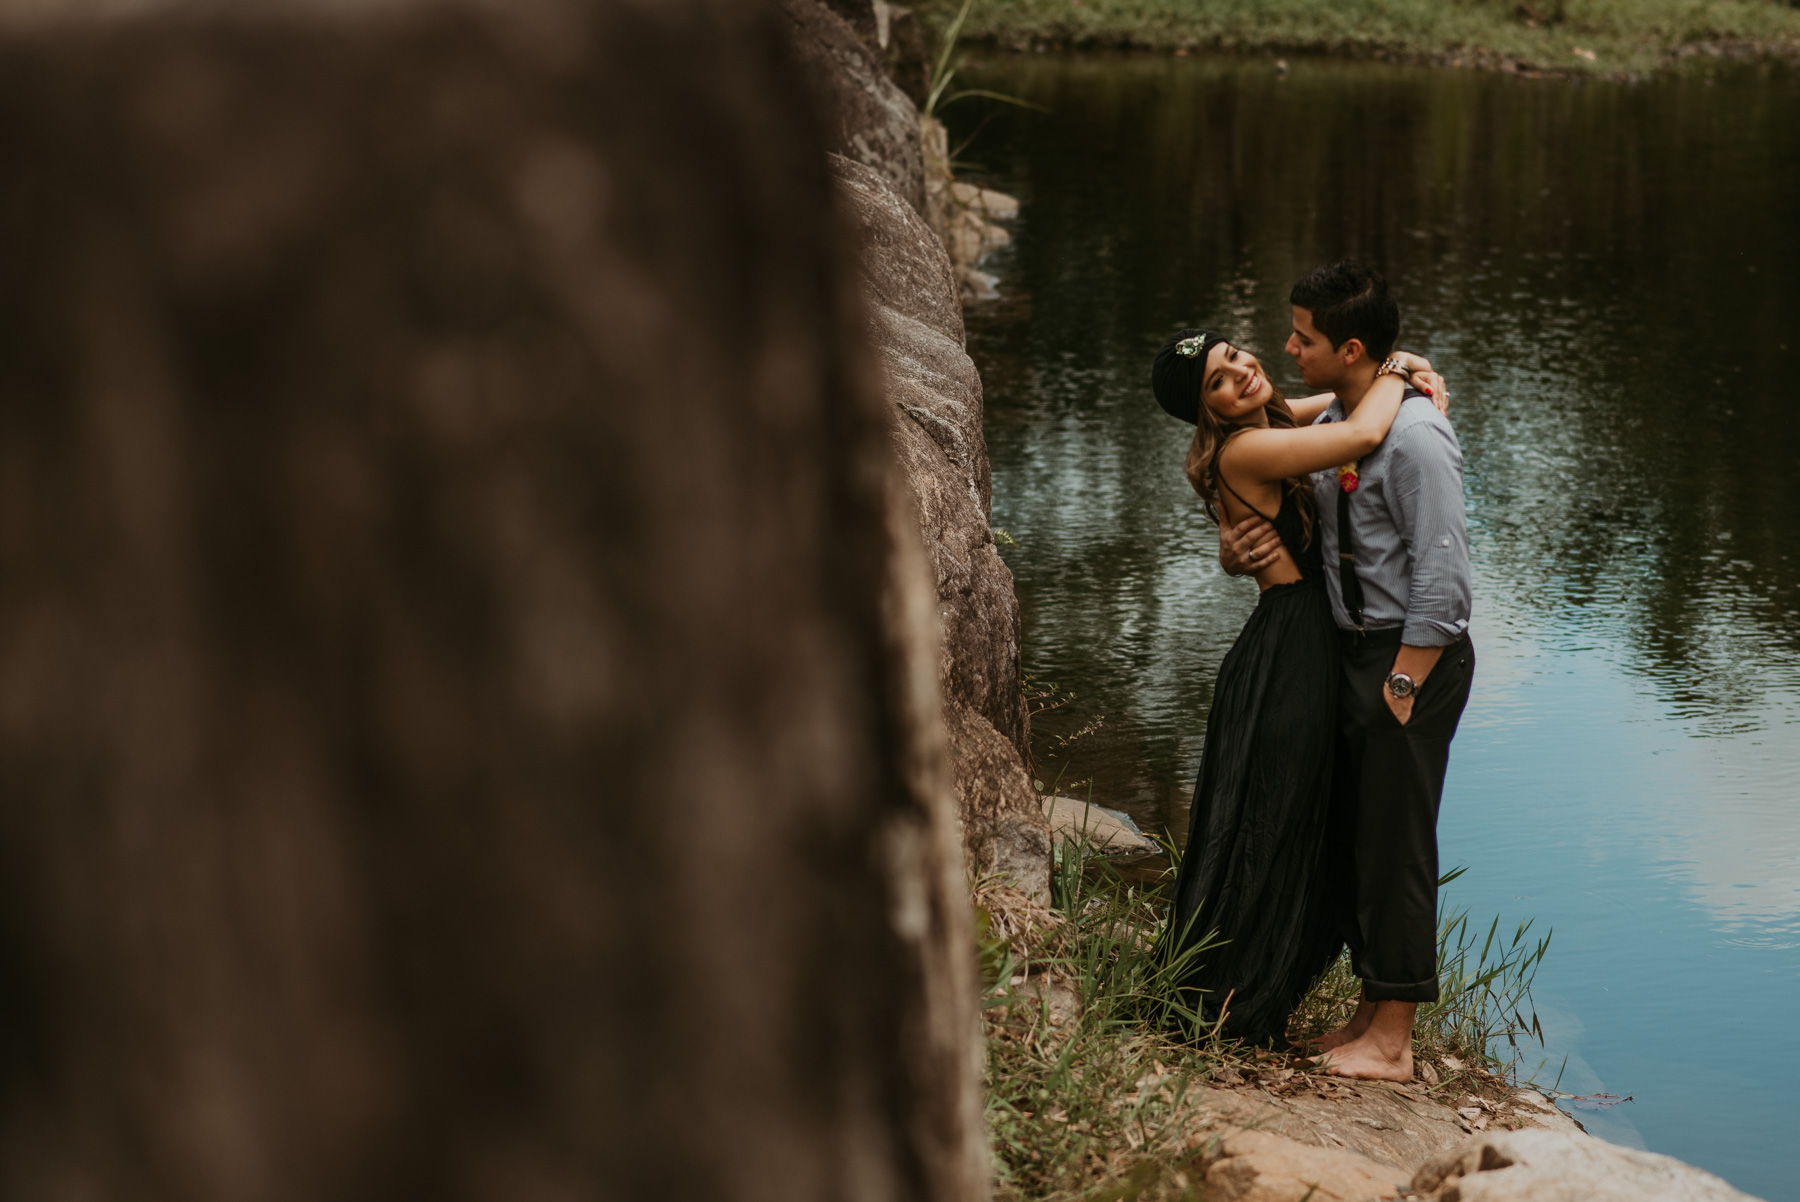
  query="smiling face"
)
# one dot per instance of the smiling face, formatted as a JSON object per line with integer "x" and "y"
{"x": 1234, "y": 386}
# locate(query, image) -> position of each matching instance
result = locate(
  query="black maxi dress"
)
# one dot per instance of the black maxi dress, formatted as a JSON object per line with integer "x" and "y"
{"x": 1250, "y": 872}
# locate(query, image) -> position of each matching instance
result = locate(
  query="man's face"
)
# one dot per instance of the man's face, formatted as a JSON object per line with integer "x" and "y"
{"x": 1320, "y": 366}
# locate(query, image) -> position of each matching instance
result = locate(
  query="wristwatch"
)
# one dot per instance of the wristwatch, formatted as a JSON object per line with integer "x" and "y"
{"x": 1394, "y": 367}
{"x": 1401, "y": 685}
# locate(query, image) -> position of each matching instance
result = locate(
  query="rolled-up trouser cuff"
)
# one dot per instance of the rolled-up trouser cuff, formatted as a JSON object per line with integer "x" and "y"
{"x": 1389, "y": 991}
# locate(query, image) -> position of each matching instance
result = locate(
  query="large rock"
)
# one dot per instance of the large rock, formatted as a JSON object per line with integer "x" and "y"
{"x": 1554, "y": 1166}
{"x": 867, "y": 117}
{"x": 915, "y": 322}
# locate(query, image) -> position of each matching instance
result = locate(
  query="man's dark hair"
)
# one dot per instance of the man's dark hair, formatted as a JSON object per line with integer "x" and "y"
{"x": 1348, "y": 300}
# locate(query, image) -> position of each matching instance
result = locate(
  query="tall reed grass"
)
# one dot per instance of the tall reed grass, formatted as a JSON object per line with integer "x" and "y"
{"x": 1087, "y": 1075}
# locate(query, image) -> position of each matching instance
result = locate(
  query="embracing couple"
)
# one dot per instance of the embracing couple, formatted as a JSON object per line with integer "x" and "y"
{"x": 1314, "y": 822}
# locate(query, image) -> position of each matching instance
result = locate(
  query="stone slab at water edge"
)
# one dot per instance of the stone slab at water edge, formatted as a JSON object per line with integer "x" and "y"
{"x": 1110, "y": 831}
{"x": 1366, "y": 1139}
{"x": 1547, "y": 1166}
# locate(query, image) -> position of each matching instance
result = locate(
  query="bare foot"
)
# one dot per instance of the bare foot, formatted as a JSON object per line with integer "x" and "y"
{"x": 1383, "y": 1052}
{"x": 1367, "y": 1060}
{"x": 1359, "y": 1022}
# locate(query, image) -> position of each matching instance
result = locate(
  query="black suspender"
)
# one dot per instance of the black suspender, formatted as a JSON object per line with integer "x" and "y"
{"x": 1353, "y": 596}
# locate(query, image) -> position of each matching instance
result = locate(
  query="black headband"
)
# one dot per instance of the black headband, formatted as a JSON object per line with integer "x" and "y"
{"x": 1178, "y": 371}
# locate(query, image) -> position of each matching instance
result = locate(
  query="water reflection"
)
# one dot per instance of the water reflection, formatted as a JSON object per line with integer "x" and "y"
{"x": 1608, "y": 273}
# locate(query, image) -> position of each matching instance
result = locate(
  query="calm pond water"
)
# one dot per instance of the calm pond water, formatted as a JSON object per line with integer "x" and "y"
{"x": 1609, "y": 274}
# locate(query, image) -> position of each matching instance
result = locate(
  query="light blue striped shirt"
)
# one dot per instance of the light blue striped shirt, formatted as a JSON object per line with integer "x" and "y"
{"x": 1407, "y": 526}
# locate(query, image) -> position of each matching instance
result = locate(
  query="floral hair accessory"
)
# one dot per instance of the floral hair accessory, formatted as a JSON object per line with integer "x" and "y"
{"x": 1189, "y": 347}
{"x": 1347, "y": 477}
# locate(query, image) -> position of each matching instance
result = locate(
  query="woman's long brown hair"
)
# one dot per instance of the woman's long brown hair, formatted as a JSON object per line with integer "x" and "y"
{"x": 1210, "y": 437}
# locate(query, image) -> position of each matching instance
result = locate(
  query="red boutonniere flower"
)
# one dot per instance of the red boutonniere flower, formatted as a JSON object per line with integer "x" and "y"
{"x": 1347, "y": 479}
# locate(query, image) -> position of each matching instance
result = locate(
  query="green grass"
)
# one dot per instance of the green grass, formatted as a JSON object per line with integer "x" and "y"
{"x": 1103, "y": 1104}
{"x": 1623, "y": 36}
{"x": 1105, "y": 1093}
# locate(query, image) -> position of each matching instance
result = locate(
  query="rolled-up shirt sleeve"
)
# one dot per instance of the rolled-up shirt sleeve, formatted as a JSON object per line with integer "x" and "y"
{"x": 1425, "y": 496}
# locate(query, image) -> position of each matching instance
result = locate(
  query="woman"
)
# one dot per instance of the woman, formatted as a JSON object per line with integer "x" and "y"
{"x": 1257, "y": 823}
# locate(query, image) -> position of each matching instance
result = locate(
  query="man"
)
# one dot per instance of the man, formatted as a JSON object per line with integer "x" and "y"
{"x": 1399, "y": 588}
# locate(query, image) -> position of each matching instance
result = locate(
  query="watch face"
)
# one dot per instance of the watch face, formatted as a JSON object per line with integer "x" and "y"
{"x": 1401, "y": 685}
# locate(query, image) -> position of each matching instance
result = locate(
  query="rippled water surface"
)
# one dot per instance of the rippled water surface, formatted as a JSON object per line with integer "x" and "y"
{"x": 1610, "y": 276}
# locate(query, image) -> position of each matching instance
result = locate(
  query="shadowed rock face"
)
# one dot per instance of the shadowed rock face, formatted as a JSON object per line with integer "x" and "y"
{"x": 867, "y": 117}
{"x": 467, "y": 699}
{"x": 916, "y": 325}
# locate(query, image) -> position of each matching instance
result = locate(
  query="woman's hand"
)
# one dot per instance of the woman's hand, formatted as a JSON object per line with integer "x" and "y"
{"x": 1248, "y": 546}
{"x": 1425, "y": 379}
{"x": 1433, "y": 386}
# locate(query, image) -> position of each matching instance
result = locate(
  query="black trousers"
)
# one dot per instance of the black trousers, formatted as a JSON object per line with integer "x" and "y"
{"x": 1381, "y": 857}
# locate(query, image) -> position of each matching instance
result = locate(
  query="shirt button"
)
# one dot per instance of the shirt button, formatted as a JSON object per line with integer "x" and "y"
{"x": 1445, "y": 543}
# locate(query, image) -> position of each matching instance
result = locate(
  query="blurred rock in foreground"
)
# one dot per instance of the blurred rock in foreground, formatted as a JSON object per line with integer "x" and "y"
{"x": 468, "y": 709}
